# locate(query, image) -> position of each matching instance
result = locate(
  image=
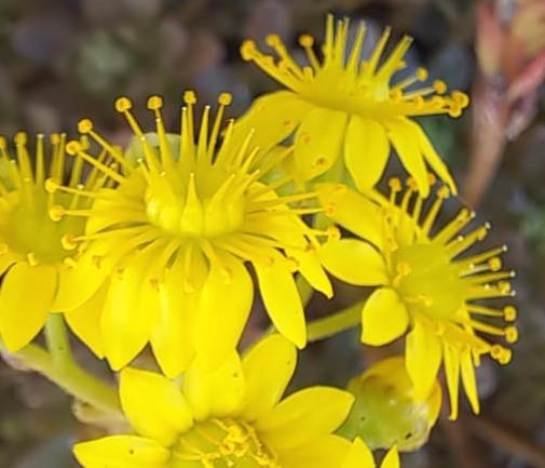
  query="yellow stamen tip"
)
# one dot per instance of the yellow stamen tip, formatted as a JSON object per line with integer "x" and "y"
{"x": 225, "y": 99}
{"x": 422, "y": 74}
{"x": 495, "y": 264}
{"x": 190, "y": 97}
{"x": 395, "y": 184}
{"x": 440, "y": 86}
{"x": 85, "y": 126}
{"x": 273, "y": 40}
{"x": 306, "y": 40}
{"x": 73, "y": 147}
{"x": 509, "y": 313}
{"x": 56, "y": 212}
{"x": 248, "y": 50}
{"x": 460, "y": 98}
{"x": 68, "y": 242}
{"x": 123, "y": 104}
{"x": 20, "y": 138}
{"x": 55, "y": 138}
{"x": 51, "y": 186}
{"x": 333, "y": 233}
{"x": 155, "y": 102}
{"x": 511, "y": 334}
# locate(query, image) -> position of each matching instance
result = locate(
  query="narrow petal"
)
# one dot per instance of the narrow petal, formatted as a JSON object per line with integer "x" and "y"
{"x": 353, "y": 211}
{"x": 406, "y": 145}
{"x": 423, "y": 358}
{"x": 384, "y": 317}
{"x": 25, "y": 301}
{"x": 469, "y": 381}
{"x": 318, "y": 142}
{"x": 224, "y": 305}
{"x": 121, "y": 451}
{"x": 304, "y": 416}
{"x": 219, "y": 392}
{"x": 132, "y": 308}
{"x": 272, "y": 118}
{"x": 391, "y": 460}
{"x": 323, "y": 452}
{"x": 268, "y": 368}
{"x": 452, "y": 373}
{"x": 282, "y": 300}
{"x": 84, "y": 321}
{"x": 311, "y": 268}
{"x": 366, "y": 151}
{"x": 359, "y": 456}
{"x": 154, "y": 405}
{"x": 354, "y": 262}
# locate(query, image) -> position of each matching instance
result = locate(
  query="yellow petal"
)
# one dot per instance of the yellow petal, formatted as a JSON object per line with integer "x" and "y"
{"x": 79, "y": 282}
{"x": 366, "y": 151}
{"x": 154, "y": 405}
{"x": 452, "y": 374}
{"x": 469, "y": 381}
{"x": 323, "y": 452}
{"x": 406, "y": 145}
{"x": 84, "y": 321}
{"x": 423, "y": 357}
{"x": 304, "y": 416}
{"x": 131, "y": 309}
{"x": 391, "y": 460}
{"x": 219, "y": 392}
{"x": 354, "y": 262}
{"x": 433, "y": 158}
{"x": 6, "y": 260}
{"x": 353, "y": 211}
{"x": 282, "y": 300}
{"x": 268, "y": 368}
{"x": 384, "y": 317}
{"x": 121, "y": 451}
{"x": 272, "y": 118}
{"x": 308, "y": 263}
{"x": 25, "y": 301}
{"x": 224, "y": 305}
{"x": 318, "y": 142}
{"x": 359, "y": 456}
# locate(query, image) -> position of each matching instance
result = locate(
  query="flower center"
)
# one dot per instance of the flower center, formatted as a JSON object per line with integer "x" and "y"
{"x": 189, "y": 214}
{"x": 28, "y": 230}
{"x": 222, "y": 443}
{"x": 427, "y": 280}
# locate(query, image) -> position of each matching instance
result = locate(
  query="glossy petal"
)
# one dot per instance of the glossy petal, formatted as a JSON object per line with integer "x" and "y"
{"x": 121, "y": 451}
{"x": 154, "y": 405}
{"x": 318, "y": 142}
{"x": 84, "y": 321}
{"x": 272, "y": 118}
{"x": 223, "y": 309}
{"x": 359, "y": 456}
{"x": 452, "y": 374}
{"x": 384, "y": 317}
{"x": 311, "y": 268}
{"x": 353, "y": 211}
{"x": 423, "y": 358}
{"x": 282, "y": 300}
{"x": 366, "y": 151}
{"x": 469, "y": 381}
{"x": 323, "y": 452}
{"x": 305, "y": 416}
{"x": 219, "y": 392}
{"x": 25, "y": 301}
{"x": 354, "y": 262}
{"x": 405, "y": 142}
{"x": 268, "y": 368}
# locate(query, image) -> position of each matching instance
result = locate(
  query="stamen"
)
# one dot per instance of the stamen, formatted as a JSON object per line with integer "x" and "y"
{"x": 73, "y": 148}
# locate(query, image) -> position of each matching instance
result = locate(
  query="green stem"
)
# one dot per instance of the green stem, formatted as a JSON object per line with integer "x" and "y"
{"x": 339, "y": 321}
{"x": 70, "y": 378}
{"x": 305, "y": 290}
{"x": 58, "y": 342}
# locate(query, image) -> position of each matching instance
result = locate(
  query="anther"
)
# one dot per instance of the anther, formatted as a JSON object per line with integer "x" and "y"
{"x": 511, "y": 334}
{"x": 85, "y": 126}
{"x": 56, "y": 212}
{"x": 68, "y": 242}
{"x": 422, "y": 74}
{"x": 509, "y": 313}
{"x": 123, "y": 104}
{"x": 225, "y": 99}
{"x": 190, "y": 97}
{"x": 440, "y": 86}
{"x": 333, "y": 233}
{"x": 55, "y": 138}
{"x": 395, "y": 184}
{"x": 273, "y": 40}
{"x": 443, "y": 192}
{"x": 306, "y": 40}
{"x": 20, "y": 138}
{"x": 51, "y": 186}
{"x": 495, "y": 264}
{"x": 73, "y": 147}
{"x": 460, "y": 98}
{"x": 155, "y": 102}
{"x": 248, "y": 50}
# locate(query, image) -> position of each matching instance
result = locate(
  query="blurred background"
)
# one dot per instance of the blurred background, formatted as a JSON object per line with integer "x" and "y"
{"x": 61, "y": 60}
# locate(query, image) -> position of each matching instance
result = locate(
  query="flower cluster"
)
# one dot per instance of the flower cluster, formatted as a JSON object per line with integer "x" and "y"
{"x": 162, "y": 244}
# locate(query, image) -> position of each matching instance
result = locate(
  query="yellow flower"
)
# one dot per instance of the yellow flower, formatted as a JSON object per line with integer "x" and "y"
{"x": 34, "y": 259}
{"x": 359, "y": 456}
{"x": 231, "y": 417}
{"x": 346, "y": 105}
{"x": 169, "y": 243}
{"x": 426, "y": 283}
